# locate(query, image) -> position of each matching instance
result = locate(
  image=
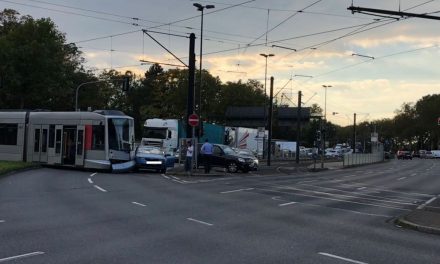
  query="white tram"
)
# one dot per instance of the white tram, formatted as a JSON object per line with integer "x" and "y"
{"x": 102, "y": 139}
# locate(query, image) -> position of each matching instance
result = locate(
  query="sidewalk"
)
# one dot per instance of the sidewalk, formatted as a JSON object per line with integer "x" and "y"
{"x": 425, "y": 218}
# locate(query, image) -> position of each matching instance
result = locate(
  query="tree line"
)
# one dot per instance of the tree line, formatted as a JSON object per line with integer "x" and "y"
{"x": 40, "y": 70}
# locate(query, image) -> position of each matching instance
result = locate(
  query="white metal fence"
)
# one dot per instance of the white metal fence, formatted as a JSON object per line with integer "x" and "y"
{"x": 362, "y": 158}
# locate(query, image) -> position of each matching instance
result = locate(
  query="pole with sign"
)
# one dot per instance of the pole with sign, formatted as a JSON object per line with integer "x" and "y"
{"x": 193, "y": 121}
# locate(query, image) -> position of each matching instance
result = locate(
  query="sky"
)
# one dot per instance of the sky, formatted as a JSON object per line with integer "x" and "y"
{"x": 397, "y": 61}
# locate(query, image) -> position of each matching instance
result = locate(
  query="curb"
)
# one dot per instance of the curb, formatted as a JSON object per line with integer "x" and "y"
{"x": 9, "y": 173}
{"x": 427, "y": 229}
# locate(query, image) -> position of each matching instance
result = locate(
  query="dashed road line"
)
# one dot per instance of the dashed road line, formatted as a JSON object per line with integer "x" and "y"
{"x": 200, "y": 222}
{"x": 140, "y": 204}
{"x": 2, "y": 221}
{"x": 341, "y": 258}
{"x": 285, "y": 204}
{"x": 22, "y": 256}
{"x": 90, "y": 181}
{"x": 239, "y": 190}
{"x": 361, "y": 188}
{"x": 427, "y": 202}
{"x": 93, "y": 174}
{"x": 99, "y": 188}
{"x": 414, "y": 174}
{"x": 401, "y": 178}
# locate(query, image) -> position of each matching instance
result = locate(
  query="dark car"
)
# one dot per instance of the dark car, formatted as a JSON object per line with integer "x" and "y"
{"x": 224, "y": 156}
{"x": 152, "y": 158}
{"x": 403, "y": 154}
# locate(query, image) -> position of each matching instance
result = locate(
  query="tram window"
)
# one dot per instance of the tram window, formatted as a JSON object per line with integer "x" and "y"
{"x": 44, "y": 141}
{"x": 51, "y": 136}
{"x": 8, "y": 134}
{"x": 79, "y": 145}
{"x": 37, "y": 140}
{"x": 58, "y": 141}
{"x": 98, "y": 137}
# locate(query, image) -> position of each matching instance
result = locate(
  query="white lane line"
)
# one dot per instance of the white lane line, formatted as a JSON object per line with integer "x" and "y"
{"x": 402, "y": 178}
{"x": 200, "y": 222}
{"x": 93, "y": 174}
{"x": 2, "y": 221}
{"x": 239, "y": 190}
{"x": 414, "y": 174}
{"x": 284, "y": 204}
{"x": 22, "y": 256}
{"x": 90, "y": 181}
{"x": 140, "y": 204}
{"x": 341, "y": 258}
{"x": 99, "y": 188}
{"x": 166, "y": 177}
{"x": 428, "y": 202}
{"x": 362, "y": 188}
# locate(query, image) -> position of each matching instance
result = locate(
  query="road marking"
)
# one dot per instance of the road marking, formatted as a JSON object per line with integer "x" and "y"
{"x": 200, "y": 222}
{"x": 99, "y": 188}
{"x": 140, "y": 204}
{"x": 402, "y": 178}
{"x": 284, "y": 204}
{"x": 22, "y": 256}
{"x": 166, "y": 177}
{"x": 239, "y": 190}
{"x": 426, "y": 203}
{"x": 90, "y": 181}
{"x": 341, "y": 258}
{"x": 2, "y": 221}
{"x": 93, "y": 174}
{"x": 362, "y": 188}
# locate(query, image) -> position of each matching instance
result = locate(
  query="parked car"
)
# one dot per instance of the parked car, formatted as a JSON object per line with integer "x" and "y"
{"x": 224, "y": 156}
{"x": 153, "y": 158}
{"x": 435, "y": 154}
{"x": 248, "y": 154}
{"x": 333, "y": 153}
{"x": 403, "y": 154}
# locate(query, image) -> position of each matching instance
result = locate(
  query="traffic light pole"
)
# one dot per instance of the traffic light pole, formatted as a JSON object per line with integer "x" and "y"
{"x": 191, "y": 81}
{"x": 298, "y": 127}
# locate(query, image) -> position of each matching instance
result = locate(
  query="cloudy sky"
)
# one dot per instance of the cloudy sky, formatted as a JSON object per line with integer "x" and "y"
{"x": 324, "y": 33}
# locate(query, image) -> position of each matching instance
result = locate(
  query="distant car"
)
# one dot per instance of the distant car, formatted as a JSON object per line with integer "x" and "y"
{"x": 403, "y": 154}
{"x": 333, "y": 153}
{"x": 224, "y": 156}
{"x": 435, "y": 154}
{"x": 248, "y": 154}
{"x": 153, "y": 158}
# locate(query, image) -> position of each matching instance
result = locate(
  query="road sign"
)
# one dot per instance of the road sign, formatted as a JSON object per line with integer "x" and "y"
{"x": 193, "y": 120}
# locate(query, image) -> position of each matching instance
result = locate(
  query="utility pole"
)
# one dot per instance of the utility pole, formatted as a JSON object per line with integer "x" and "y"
{"x": 270, "y": 121}
{"x": 354, "y": 133}
{"x": 298, "y": 127}
{"x": 191, "y": 90}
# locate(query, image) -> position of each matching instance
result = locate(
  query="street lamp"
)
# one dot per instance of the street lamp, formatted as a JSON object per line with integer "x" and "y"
{"x": 265, "y": 71}
{"x": 265, "y": 94}
{"x": 201, "y": 8}
{"x": 325, "y": 101}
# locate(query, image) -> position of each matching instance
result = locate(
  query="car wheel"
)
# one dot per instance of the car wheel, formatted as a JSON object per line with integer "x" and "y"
{"x": 232, "y": 167}
{"x": 245, "y": 170}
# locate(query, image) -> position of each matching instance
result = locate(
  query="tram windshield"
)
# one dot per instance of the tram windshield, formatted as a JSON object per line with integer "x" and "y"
{"x": 119, "y": 134}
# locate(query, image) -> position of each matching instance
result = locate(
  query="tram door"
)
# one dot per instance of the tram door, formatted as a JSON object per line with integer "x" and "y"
{"x": 40, "y": 140}
{"x": 58, "y": 136}
{"x": 80, "y": 135}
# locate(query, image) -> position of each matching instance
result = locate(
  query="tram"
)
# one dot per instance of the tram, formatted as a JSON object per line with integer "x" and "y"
{"x": 103, "y": 139}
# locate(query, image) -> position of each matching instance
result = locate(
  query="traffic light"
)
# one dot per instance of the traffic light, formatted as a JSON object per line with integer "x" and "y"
{"x": 126, "y": 84}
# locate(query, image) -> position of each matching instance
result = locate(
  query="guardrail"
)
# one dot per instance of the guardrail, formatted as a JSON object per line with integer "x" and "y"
{"x": 362, "y": 158}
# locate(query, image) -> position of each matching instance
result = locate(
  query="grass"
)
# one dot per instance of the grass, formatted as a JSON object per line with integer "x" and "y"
{"x": 8, "y": 166}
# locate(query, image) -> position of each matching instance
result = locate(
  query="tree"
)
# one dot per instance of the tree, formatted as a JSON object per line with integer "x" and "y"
{"x": 38, "y": 66}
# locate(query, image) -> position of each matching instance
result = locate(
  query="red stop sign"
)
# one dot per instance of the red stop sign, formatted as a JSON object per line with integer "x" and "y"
{"x": 193, "y": 120}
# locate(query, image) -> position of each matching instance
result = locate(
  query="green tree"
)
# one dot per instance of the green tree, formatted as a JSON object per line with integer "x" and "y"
{"x": 38, "y": 66}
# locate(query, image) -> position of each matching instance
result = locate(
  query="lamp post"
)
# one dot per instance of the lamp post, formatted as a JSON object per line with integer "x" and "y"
{"x": 265, "y": 96}
{"x": 325, "y": 101}
{"x": 201, "y": 8}
{"x": 265, "y": 69}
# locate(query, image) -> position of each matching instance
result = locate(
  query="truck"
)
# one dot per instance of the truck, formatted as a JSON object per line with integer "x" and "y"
{"x": 167, "y": 134}
{"x": 246, "y": 138}
{"x": 164, "y": 133}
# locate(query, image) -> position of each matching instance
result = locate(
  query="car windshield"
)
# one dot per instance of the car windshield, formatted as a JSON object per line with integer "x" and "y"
{"x": 228, "y": 150}
{"x": 150, "y": 150}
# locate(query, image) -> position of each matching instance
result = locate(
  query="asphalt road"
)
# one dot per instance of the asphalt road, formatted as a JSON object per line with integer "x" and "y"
{"x": 339, "y": 216}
